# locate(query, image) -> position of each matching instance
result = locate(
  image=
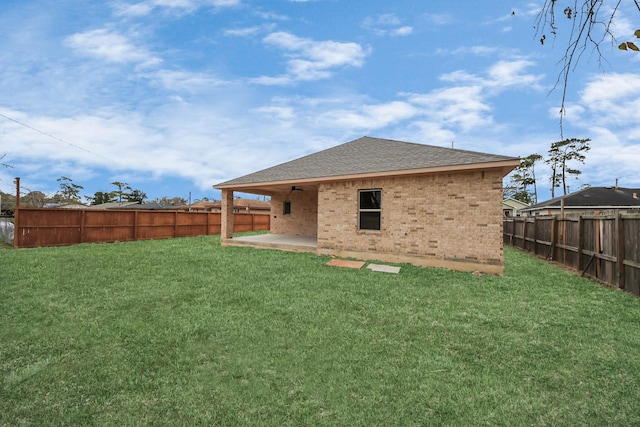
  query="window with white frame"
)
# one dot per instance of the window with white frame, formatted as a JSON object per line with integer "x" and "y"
{"x": 370, "y": 209}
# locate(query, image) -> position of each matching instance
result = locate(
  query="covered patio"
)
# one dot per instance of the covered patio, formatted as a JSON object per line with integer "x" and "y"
{"x": 276, "y": 241}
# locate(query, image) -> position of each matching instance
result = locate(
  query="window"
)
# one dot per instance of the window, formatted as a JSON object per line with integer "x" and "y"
{"x": 287, "y": 208}
{"x": 370, "y": 209}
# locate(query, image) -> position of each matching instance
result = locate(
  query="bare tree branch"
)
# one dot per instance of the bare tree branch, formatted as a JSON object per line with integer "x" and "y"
{"x": 590, "y": 27}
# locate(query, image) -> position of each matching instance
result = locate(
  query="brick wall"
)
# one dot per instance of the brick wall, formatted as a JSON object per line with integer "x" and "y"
{"x": 446, "y": 220}
{"x": 303, "y": 219}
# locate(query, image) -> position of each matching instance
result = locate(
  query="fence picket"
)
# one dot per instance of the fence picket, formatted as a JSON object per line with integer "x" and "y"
{"x": 35, "y": 227}
{"x": 603, "y": 247}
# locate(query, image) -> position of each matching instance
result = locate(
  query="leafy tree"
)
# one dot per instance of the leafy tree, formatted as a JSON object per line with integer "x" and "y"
{"x": 135, "y": 196}
{"x": 122, "y": 190}
{"x": 36, "y": 199}
{"x": 523, "y": 177}
{"x": 528, "y": 165}
{"x": 585, "y": 23}
{"x": 514, "y": 190}
{"x": 69, "y": 191}
{"x": 172, "y": 201}
{"x": 8, "y": 204}
{"x": 100, "y": 197}
{"x": 560, "y": 154}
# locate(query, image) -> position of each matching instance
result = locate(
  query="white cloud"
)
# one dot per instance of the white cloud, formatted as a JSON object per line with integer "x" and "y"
{"x": 248, "y": 31}
{"x": 369, "y": 117}
{"x": 471, "y": 50}
{"x": 312, "y": 60}
{"x": 387, "y": 24}
{"x": 463, "y": 108}
{"x": 437, "y": 19}
{"x": 613, "y": 98}
{"x": 388, "y": 19}
{"x": 461, "y": 76}
{"x": 187, "y": 81}
{"x": 608, "y": 112}
{"x": 144, "y": 8}
{"x": 279, "y": 113}
{"x": 402, "y": 31}
{"x": 511, "y": 73}
{"x": 111, "y": 47}
{"x": 499, "y": 76}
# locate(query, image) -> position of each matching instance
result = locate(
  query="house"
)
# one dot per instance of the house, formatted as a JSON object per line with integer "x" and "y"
{"x": 511, "y": 207}
{"x": 112, "y": 205}
{"x": 589, "y": 201}
{"x": 386, "y": 200}
{"x": 240, "y": 205}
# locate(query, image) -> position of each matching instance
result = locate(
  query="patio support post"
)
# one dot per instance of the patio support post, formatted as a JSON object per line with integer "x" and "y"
{"x": 226, "y": 231}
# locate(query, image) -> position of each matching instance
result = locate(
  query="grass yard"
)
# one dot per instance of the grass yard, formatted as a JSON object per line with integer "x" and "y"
{"x": 184, "y": 332}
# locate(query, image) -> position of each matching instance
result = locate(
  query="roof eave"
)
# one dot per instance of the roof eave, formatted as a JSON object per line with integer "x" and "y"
{"x": 505, "y": 165}
{"x": 583, "y": 207}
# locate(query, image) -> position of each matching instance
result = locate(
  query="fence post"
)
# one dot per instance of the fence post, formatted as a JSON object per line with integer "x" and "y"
{"x": 554, "y": 238}
{"x": 82, "y": 222}
{"x": 620, "y": 255}
{"x": 135, "y": 225}
{"x": 175, "y": 224}
{"x": 535, "y": 235}
{"x": 580, "y": 243}
{"x": 17, "y": 234}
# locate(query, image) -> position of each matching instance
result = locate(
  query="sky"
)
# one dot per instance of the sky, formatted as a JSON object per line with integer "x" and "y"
{"x": 175, "y": 96}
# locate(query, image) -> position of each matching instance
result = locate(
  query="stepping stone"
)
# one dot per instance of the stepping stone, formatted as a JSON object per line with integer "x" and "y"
{"x": 345, "y": 263}
{"x": 384, "y": 268}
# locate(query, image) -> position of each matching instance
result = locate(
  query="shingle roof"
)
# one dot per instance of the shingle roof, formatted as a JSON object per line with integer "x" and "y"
{"x": 593, "y": 197}
{"x": 366, "y": 155}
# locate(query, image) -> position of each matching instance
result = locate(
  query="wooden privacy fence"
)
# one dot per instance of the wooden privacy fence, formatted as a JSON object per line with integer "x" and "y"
{"x": 35, "y": 227}
{"x": 605, "y": 248}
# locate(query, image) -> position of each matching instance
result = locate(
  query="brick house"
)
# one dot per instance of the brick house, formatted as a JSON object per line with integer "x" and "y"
{"x": 386, "y": 200}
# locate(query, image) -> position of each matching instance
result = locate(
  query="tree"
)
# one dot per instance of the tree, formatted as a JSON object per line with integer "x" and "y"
{"x": 36, "y": 199}
{"x": 560, "y": 154}
{"x": 100, "y": 197}
{"x": 8, "y": 203}
{"x": 522, "y": 178}
{"x": 69, "y": 191}
{"x": 135, "y": 196}
{"x": 172, "y": 201}
{"x": 588, "y": 23}
{"x": 122, "y": 188}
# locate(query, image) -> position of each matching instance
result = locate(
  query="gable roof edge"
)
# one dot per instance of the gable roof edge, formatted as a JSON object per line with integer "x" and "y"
{"x": 505, "y": 165}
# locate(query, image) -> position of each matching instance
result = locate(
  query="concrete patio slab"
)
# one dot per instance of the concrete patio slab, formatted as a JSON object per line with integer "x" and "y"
{"x": 275, "y": 241}
{"x": 384, "y": 268}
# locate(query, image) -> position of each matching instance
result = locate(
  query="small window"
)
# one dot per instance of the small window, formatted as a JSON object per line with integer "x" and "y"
{"x": 370, "y": 209}
{"x": 287, "y": 208}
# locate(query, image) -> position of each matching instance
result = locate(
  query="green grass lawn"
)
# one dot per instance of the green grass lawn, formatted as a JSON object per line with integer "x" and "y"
{"x": 184, "y": 332}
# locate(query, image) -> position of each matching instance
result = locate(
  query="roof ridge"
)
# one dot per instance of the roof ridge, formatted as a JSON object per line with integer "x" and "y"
{"x": 368, "y": 155}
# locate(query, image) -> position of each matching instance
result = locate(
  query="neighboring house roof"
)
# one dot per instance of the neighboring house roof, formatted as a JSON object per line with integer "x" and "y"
{"x": 514, "y": 203}
{"x": 153, "y": 206}
{"x": 112, "y": 205}
{"x": 205, "y": 205}
{"x": 593, "y": 198}
{"x": 250, "y": 203}
{"x": 368, "y": 156}
{"x": 70, "y": 206}
{"x": 239, "y": 203}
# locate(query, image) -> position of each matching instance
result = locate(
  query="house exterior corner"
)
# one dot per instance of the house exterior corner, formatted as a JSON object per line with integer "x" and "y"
{"x": 449, "y": 220}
